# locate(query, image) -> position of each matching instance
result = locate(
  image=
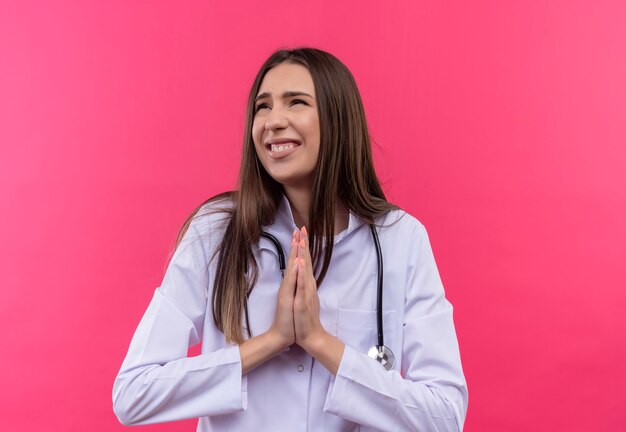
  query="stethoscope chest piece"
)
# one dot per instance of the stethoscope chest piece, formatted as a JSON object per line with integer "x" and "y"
{"x": 382, "y": 355}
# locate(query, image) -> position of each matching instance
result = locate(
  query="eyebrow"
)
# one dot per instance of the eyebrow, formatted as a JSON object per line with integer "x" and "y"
{"x": 285, "y": 95}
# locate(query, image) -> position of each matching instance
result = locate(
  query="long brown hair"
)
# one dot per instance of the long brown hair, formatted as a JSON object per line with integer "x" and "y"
{"x": 344, "y": 171}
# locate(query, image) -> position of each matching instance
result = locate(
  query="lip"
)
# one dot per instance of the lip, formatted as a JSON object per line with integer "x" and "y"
{"x": 281, "y": 141}
{"x": 284, "y": 153}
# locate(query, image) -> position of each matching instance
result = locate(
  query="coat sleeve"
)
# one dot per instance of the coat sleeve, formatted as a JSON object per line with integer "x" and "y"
{"x": 157, "y": 382}
{"x": 429, "y": 393}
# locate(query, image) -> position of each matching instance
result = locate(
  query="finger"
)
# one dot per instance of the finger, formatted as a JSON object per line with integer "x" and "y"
{"x": 303, "y": 249}
{"x": 291, "y": 275}
{"x": 300, "y": 283}
{"x": 292, "y": 265}
{"x": 288, "y": 285}
{"x": 296, "y": 237}
{"x": 293, "y": 252}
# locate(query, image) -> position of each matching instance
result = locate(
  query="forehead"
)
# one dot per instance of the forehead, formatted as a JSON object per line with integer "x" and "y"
{"x": 287, "y": 77}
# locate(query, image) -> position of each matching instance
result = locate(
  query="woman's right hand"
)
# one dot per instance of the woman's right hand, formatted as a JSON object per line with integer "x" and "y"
{"x": 283, "y": 326}
{"x": 281, "y": 333}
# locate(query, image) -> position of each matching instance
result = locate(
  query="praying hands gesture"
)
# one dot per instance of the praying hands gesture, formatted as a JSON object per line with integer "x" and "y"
{"x": 297, "y": 318}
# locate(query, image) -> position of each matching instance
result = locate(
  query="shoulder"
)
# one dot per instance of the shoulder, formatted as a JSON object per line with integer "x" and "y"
{"x": 213, "y": 214}
{"x": 207, "y": 223}
{"x": 399, "y": 222}
{"x": 407, "y": 238}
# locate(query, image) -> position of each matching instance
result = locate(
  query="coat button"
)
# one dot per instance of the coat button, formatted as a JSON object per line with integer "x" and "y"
{"x": 300, "y": 368}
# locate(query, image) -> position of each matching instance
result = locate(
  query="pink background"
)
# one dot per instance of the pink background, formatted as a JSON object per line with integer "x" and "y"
{"x": 501, "y": 125}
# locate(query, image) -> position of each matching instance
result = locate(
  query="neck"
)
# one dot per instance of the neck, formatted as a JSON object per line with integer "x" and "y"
{"x": 300, "y": 202}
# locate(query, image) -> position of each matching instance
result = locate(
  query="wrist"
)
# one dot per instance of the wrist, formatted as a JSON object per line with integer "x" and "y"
{"x": 257, "y": 350}
{"x": 326, "y": 349}
{"x": 315, "y": 343}
{"x": 275, "y": 341}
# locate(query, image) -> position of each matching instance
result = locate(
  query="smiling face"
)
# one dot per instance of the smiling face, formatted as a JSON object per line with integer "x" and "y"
{"x": 286, "y": 130}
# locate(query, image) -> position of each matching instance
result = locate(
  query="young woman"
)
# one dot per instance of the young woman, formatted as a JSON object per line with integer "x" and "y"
{"x": 352, "y": 333}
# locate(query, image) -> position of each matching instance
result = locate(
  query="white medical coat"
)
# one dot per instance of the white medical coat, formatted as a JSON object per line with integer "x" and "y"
{"x": 425, "y": 391}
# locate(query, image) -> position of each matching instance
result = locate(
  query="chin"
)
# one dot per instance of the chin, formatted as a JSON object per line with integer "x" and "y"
{"x": 283, "y": 180}
{"x": 290, "y": 179}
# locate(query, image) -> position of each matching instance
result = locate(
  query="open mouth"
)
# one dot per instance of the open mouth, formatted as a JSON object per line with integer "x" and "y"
{"x": 282, "y": 147}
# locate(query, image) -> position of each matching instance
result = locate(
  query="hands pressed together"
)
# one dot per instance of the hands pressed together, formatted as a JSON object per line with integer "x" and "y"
{"x": 297, "y": 318}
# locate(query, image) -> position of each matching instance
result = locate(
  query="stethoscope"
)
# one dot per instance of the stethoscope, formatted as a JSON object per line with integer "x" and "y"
{"x": 378, "y": 352}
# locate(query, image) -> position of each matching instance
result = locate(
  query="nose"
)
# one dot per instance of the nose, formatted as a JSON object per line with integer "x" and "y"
{"x": 276, "y": 120}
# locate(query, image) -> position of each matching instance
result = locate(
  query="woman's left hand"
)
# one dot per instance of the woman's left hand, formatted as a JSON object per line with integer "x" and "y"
{"x": 310, "y": 334}
{"x": 306, "y": 307}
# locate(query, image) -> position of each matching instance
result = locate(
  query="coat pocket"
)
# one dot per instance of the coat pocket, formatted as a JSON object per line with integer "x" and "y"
{"x": 357, "y": 328}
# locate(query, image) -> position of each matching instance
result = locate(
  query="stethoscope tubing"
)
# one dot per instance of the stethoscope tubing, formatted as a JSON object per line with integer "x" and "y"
{"x": 380, "y": 352}
{"x": 379, "y": 294}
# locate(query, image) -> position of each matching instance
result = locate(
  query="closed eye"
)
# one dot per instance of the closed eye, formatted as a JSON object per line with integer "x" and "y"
{"x": 264, "y": 105}
{"x": 260, "y": 106}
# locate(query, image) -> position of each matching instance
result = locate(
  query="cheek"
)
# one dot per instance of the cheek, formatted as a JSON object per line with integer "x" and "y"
{"x": 314, "y": 132}
{"x": 257, "y": 134}
{"x": 311, "y": 125}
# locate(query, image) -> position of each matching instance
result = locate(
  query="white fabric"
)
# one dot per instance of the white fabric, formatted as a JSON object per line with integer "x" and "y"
{"x": 425, "y": 391}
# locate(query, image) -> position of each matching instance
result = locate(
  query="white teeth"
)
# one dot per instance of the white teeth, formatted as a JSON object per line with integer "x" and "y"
{"x": 280, "y": 148}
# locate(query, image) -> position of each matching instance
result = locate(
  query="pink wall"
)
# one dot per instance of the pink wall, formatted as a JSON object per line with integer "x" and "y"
{"x": 501, "y": 125}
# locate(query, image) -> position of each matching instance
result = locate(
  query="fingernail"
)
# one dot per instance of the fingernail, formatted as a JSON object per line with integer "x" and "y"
{"x": 301, "y": 243}
{"x": 304, "y": 230}
{"x": 294, "y": 233}
{"x": 301, "y": 262}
